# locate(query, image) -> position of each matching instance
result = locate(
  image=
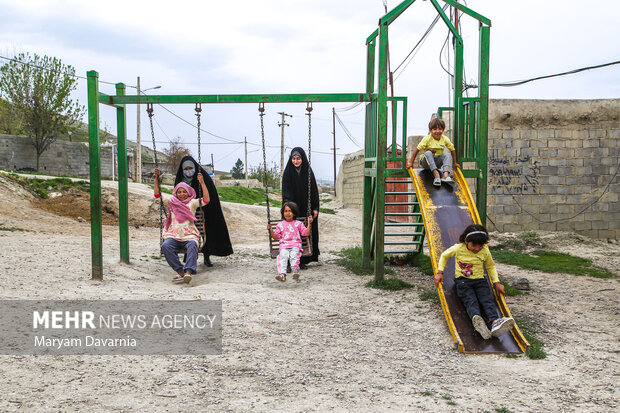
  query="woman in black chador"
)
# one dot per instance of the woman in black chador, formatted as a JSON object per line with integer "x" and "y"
{"x": 295, "y": 188}
{"x": 216, "y": 237}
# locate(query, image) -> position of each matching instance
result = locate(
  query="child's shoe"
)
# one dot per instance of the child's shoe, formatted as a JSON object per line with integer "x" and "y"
{"x": 437, "y": 182}
{"x": 481, "y": 327}
{"x": 177, "y": 279}
{"x": 296, "y": 276}
{"x": 187, "y": 278}
{"x": 501, "y": 326}
{"x": 281, "y": 277}
{"x": 448, "y": 180}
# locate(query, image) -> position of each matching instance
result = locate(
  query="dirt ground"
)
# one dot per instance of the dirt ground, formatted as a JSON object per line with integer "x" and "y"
{"x": 325, "y": 343}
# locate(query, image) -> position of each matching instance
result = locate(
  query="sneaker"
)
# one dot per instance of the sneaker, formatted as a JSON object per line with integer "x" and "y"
{"x": 296, "y": 276}
{"x": 448, "y": 180}
{"x": 187, "y": 278}
{"x": 437, "y": 182}
{"x": 501, "y": 326}
{"x": 481, "y": 327}
{"x": 177, "y": 279}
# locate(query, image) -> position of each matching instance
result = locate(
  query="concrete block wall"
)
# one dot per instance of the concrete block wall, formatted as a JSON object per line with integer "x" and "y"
{"x": 350, "y": 180}
{"x": 553, "y": 165}
{"x": 61, "y": 158}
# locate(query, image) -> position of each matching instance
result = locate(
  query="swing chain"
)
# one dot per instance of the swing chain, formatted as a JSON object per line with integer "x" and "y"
{"x": 149, "y": 110}
{"x": 261, "y": 109}
{"x": 198, "y": 110}
{"x": 309, "y": 114}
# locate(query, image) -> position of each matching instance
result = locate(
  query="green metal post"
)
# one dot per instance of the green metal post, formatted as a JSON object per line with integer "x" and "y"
{"x": 123, "y": 208}
{"x": 367, "y": 217}
{"x": 483, "y": 128}
{"x": 381, "y": 152}
{"x": 458, "y": 94}
{"x": 95, "y": 176}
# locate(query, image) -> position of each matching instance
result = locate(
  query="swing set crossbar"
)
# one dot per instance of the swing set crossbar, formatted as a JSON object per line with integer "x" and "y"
{"x": 258, "y": 98}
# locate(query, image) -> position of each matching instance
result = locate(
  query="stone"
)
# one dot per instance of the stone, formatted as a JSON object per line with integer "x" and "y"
{"x": 521, "y": 284}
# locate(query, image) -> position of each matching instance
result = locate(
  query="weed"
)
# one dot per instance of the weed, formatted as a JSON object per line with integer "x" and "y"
{"x": 353, "y": 261}
{"x": 391, "y": 284}
{"x": 430, "y": 295}
{"x": 156, "y": 257}
{"x": 550, "y": 261}
{"x": 536, "y": 350}
{"x": 502, "y": 410}
{"x": 255, "y": 255}
{"x": 428, "y": 393}
{"x": 511, "y": 356}
{"x": 531, "y": 239}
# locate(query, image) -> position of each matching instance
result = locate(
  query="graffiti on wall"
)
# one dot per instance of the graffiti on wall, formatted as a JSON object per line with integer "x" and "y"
{"x": 514, "y": 176}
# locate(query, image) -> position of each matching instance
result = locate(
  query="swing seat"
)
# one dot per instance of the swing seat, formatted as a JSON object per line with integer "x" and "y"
{"x": 306, "y": 241}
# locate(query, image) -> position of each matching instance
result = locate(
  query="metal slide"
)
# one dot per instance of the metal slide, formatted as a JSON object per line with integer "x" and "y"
{"x": 446, "y": 211}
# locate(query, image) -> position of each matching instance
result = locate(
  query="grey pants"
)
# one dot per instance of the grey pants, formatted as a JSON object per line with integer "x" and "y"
{"x": 443, "y": 161}
{"x": 171, "y": 248}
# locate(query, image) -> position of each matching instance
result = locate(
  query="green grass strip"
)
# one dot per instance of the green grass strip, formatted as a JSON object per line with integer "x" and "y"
{"x": 550, "y": 261}
{"x": 352, "y": 260}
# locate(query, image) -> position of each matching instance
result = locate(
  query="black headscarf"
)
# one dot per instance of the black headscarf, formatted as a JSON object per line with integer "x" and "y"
{"x": 295, "y": 188}
{"x": 217, "y": 238}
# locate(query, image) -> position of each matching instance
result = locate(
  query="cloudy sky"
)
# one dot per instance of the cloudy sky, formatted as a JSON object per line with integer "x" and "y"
{"x": 277, "y": 46}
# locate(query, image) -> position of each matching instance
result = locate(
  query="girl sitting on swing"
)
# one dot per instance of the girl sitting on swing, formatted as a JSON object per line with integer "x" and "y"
{"x": 179, "y": 228}
{"x": 289, "y": 232}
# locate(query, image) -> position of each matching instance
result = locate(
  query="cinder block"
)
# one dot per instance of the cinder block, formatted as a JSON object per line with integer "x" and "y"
{"x": 596, "y": 134}
{"x": 512, "y": 209}
{"x": 580, "y": 135}
{"x": 600, "y": 224}
{"x": 528, "y": 134}
{"x": 528, "y": 152}
{"x": 546, "y": 133}
{"x": 605, "y": 233}
{"x": 582, "y": 225}
{"x": 508, "y": 134}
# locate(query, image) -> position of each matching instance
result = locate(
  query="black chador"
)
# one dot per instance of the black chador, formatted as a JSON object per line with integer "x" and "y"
{"x": 216, "y": 237}
{"x": 295, "y": 188}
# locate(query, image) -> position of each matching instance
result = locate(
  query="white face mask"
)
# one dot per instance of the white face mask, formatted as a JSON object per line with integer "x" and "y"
{"x": 188, "y": 172}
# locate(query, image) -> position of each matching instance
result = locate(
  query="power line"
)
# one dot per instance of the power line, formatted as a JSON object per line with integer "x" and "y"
{"x": 570, "y": 72}
{"x": 346, "y": 131}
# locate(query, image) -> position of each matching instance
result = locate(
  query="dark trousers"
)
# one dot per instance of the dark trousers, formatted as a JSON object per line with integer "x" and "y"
{"x": 171, "y": 248}
{"x": 476, "y": 294}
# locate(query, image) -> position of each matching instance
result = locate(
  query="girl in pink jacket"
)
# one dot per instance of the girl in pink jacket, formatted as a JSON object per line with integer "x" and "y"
{"x": 289, "y": 232}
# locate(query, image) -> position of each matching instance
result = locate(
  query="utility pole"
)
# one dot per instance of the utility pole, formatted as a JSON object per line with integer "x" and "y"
{"x": 138, "y": 177}
{"x": 245, "y": 140}
{"x": 334, "y": 133}
{"x": 213, "y": 166}
{"x": 282, "y": 125}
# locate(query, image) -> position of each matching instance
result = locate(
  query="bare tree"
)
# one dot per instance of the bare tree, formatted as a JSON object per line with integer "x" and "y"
{"x": 39, "y": 89}
{"x": 175, "y": 152}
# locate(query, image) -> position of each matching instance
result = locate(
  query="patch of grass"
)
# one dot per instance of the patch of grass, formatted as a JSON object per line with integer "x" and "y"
{"x": 255, "y": 255}
{"x": 422, "y": 262}
{"x": 531, "y": 239}
{"x": 156, "y": 257}
{"x": 42, "y": 187}
{"x": 511, "y": 356}
{"x": 352, "y": 260}
{"x": 12, "y": 229}
{"x": 536, "y": 350}
{"x": 327, "y": 211}
{"x": 502, "y": 410}
{"x": 428, "y": 393}
{"x": 390, "y": 284}
{"x": 512, "y": 291}
{"x": 161, "y": 189}
{"x": 430, "y": 295}
{"x": 550, "y": 261}
{"x": 243, "y": 195}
